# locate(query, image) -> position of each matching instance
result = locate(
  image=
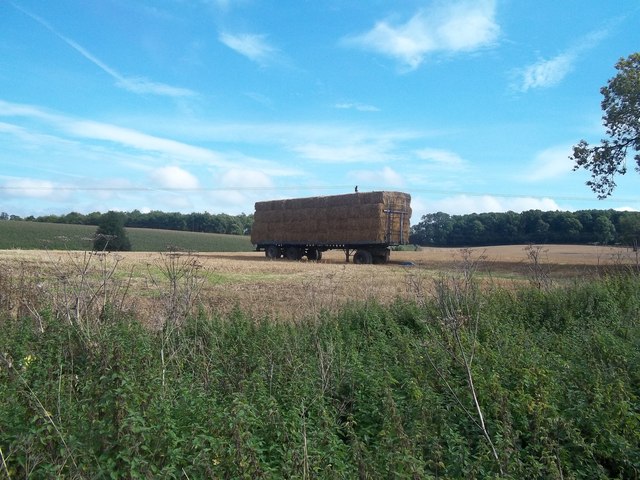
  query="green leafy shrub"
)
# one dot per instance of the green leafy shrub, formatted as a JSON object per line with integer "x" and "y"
{"x": 355, "y": 395}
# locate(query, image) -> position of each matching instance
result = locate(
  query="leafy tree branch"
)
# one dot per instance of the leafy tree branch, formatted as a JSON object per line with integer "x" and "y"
{"x": 621, "y": 107}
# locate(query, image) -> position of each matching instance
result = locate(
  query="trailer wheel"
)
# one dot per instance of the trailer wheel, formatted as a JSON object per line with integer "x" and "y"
{"x": 293, "y": 253}
{"x": 272, "y": 252}
{"x": 381, "y": 256}
{"x": 313, "y": 254}
{"x": 363, "y": 257}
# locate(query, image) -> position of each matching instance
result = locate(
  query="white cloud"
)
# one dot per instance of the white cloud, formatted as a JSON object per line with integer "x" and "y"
{"x": 31, "y": 140}
{"x": 8, "y": 109}
{"x": 236, "y": 178}
{"x": 252, "y": 46}
{"x": 175, "y": 177}
{"x": 464, "y": 204}
{"x": 112, "y": 133}
{"x": 143, "y": 141}
{"x": 29, "y": 187}
{"x": 546, "y": 73}
{"x": 549, "y": 164}
{"x": 447, "y": 27}
{"x": 144, "y": 86}
{"x": 385, "y": 177}
{"x": 360, "y": 107}
{"x": 236, "y": 195}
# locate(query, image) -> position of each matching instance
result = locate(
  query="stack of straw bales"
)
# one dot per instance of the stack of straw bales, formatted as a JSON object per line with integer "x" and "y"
{"x": 357, "y": 218}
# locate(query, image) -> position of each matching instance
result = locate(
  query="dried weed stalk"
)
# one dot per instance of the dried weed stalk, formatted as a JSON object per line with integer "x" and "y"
{"x": 457, "y": 313}
{"x": 85, "y": 289}
{"x": 538, "y": 268}
{"x": 181, "y": 283}
{"x": 90, "y": 290}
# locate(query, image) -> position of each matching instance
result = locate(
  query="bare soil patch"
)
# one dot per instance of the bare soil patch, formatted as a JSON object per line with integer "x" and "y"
{"x": 289, "y": 290}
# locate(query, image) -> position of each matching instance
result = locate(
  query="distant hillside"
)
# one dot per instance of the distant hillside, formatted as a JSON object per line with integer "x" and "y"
{"x": 57, "y": 236}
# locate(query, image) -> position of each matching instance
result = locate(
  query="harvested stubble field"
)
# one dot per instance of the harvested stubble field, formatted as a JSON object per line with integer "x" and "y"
{"x": 282, "y": 289}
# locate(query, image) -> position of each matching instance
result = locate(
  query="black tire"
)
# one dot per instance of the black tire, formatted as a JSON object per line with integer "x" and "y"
{"x": 363, "y": 257}
{"x": 272, "y": 252}
{"x": 381, "y": 257}
{"x": 313, "y": 254}
{"x": 293, "y": 253}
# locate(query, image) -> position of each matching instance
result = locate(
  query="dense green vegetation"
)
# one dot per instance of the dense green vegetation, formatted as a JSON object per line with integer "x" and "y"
{"x": 373, "y": 392}
{"x": 58, "y": 236}
{"x": 111, "y": 235}
{"x": 191, "y": 222}
{"x": 533, "y": 226}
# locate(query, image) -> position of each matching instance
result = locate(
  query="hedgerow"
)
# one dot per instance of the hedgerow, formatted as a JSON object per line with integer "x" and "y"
{"x": 372, "y": 392}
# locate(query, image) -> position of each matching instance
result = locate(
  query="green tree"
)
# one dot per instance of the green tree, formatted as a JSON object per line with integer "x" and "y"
{"x": 111, "y": 235}
{"x": 604, "y": 229}
{"x": 434, "y": 229}
{"x": 621, "y": 106}
{"x": 533, "y": 226}
{"x": 630, "y": 229}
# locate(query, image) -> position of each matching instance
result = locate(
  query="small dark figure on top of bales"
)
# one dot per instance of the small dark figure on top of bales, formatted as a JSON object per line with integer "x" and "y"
{"x": 356, "y": 188}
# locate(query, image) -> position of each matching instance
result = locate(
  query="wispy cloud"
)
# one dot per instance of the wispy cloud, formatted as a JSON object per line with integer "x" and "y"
{"x": 142, "y": 141}
{"x": 385, "y": 177}
{"x": 360, "y": 107}
{"x": 235, "y": 178}
{"x": 549, "y": 164}
{"x": 28, "y": 187}
{"x": 138, "y": 85}
{"x": 88, "y": 129}
{"x": 253, "y": 46}
{"x": 446, "y": 27}
{"x": 546, "y": 73}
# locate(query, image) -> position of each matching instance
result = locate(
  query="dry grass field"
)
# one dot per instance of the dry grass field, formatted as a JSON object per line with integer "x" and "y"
{"x": 283, "y": 289}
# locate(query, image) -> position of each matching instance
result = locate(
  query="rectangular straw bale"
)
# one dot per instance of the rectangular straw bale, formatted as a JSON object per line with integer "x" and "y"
{"x": 268, "y": 205}
{"x": 334, "y": 201}
{"x": 335, "y": 219}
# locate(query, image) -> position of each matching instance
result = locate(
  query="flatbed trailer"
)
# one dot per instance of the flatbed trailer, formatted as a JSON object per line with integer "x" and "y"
{"x": 364, "y": 225}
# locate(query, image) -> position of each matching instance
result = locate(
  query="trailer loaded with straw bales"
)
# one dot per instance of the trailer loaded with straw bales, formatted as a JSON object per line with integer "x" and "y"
{"x": 365, "y": 225}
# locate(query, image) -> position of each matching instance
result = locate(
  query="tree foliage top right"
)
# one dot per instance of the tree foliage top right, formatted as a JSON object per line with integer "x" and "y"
{"x": 621, "y": 117}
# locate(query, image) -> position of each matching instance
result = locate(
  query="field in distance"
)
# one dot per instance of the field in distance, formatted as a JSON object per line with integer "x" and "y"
{"x": 57, "y": 236}
{"x": 297, "y": 289}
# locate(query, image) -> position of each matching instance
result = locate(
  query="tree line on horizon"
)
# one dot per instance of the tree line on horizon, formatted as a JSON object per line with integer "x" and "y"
{"x": 204, "y": 222}
{"x": 605, "y": 227}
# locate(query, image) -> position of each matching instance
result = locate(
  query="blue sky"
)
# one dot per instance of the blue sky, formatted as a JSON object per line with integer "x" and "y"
{"x": 212, "y": 105}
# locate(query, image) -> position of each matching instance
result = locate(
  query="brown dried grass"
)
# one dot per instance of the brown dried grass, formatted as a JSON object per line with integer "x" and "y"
{"x": 292, "y": 290}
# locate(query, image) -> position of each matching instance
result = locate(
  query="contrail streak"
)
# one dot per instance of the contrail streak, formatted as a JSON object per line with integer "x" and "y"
{"x": 137, "y": 85}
